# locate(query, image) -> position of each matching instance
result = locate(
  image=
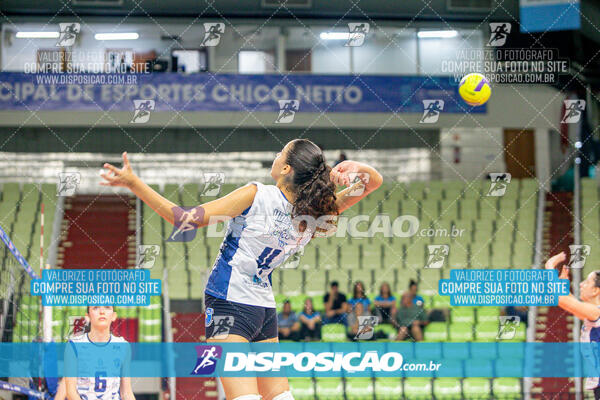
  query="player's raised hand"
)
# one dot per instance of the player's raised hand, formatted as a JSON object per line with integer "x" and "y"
{"x": 340, "y": 174}
{"x": 554, "y": 261}
{"x": 118, "y": 177}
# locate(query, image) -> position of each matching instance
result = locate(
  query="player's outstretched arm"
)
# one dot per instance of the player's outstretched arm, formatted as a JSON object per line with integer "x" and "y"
{"x": 126, "y": 391}
{"x": 342, "y": 175}
{"x": 230, "y": 205}
{"x": 72, "y": 393}
{"x": 570, "y": 303}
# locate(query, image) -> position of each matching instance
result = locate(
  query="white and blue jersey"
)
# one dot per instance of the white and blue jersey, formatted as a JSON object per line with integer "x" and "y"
{"x": 96, "y": 379}
{"x": 256, "y": 242}
{"x": 590, "y": 333}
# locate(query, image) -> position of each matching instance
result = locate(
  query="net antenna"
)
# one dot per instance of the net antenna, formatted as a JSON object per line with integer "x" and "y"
{"x": 46, "y": 311}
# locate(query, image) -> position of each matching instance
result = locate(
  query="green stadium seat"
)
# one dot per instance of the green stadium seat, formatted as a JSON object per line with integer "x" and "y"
{"x": 418, "y": 388}
{"x": 447, "y": 388}
{"x": 477, "y": 366}
{"x": 488, "y": 314}
{"x": 441, "y": 301}
{"x": 359, "y": 389}
{"x": 291, "y": 281}
{"x": 460, "y": 332}
{"x": 477, "y": 388}
{"x": 507, "y": 388}
{"x": 465, "y": 315}
{"x": 449, "y": 366}
{"x": 486, "y": 331}
{"x": 297, "y": 302}
{"x": 302, "y": 388}
{"x": 329, "y": 388}
{"x": 316, "y": 281}
{"x": 388, "y": 388}
{"x": 333, "y": 333}
{"x": 509, "y": 367}
{"x": 453, "y": 351}
{"x": 436, "y": 332}
{"x": 428, "y": 350}
{"x": 318, "y": 303}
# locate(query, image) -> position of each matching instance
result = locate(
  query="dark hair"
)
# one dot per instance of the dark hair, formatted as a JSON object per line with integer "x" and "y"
{"x": 88, "y": 327}
{"x": 315, "y": 192}
{"x": 597, "y": 280}
{"x": 354, "y": 289}
{"x": 411, "y": 283}
{"x": 388, "y": 287}
{"x": 335, "y": 283}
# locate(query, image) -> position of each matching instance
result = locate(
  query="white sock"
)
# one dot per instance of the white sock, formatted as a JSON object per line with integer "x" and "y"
{"x": 287, "y": 395}
{"x": 249, "y": 397}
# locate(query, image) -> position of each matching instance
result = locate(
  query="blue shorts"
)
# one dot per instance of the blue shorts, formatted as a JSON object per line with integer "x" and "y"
{"x": 252, "y": 322}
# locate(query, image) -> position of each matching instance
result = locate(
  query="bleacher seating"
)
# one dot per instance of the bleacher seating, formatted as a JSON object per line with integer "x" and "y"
{"x": 489, "y": 225}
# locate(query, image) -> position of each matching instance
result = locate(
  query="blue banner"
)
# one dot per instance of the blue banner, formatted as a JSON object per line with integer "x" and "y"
{"x": 549, "y": 15}
{"x": 228, "y": 92}
{"x": 95, "y": 287}
{"x": 503, "y": 287}
{"x": 318, "y": 359}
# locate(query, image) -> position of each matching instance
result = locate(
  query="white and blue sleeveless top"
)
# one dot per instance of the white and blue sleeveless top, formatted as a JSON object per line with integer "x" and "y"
{"x": 256, "y": 242}
{"x": 590, "y": 333}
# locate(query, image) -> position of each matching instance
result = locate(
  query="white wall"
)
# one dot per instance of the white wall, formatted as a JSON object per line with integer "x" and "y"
{"x": 386, "y": 50}
{"x": 432, "y": 52}
{"x": 479, "y": 152}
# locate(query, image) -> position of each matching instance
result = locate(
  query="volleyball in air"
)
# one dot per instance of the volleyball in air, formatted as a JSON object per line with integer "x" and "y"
{"x": 474, "y": 89}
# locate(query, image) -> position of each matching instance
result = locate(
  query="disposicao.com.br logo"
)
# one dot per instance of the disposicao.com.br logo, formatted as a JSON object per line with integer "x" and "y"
{"x": 323, "y": 362}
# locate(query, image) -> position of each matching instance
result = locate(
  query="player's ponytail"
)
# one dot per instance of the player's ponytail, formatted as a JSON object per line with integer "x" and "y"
{"x": 597, "y": 280}
{"x": 315, "y": 192}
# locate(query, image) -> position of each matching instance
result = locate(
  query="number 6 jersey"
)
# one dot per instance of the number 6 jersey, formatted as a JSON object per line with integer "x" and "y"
{"x": 99, "y": 366}
{"x": 256, "y": 242}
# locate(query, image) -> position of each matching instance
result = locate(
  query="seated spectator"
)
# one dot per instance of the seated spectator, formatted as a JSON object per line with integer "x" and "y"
{"x": 358, "y": 296}
{"x": 353, "y": 320}
{"x": 288, "y": 323}
{"x": 385, "y": 305}
{"x": 409, "y": 318}
{"x": 412, "y": 293}
{"x": 335, "y": 306}
{"x": 310, "y": 322}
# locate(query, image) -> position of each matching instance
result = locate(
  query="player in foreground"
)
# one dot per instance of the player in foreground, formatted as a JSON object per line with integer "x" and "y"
{"x": 101, "y": 385}
{"x": 268, "y": 223}
{"x": 588, "y": 310}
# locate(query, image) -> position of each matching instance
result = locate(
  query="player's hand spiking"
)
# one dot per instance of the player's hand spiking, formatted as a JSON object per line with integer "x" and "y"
{"x": 554, "y": 261}
{"x": 118, "y": 177}
{"x": 345, "y": 172}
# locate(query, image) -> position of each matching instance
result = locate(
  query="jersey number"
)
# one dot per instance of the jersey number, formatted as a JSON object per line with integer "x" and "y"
{"x": 100, "y": 385}
{"x": 265, "y": 259}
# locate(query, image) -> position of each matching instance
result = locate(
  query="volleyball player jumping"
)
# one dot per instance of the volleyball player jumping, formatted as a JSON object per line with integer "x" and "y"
{"x": 261, "y": 234}
{"x": 586, "y": 309}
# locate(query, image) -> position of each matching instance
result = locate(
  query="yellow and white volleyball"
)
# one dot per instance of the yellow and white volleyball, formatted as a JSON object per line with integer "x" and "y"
{"x": 474, "y": 89}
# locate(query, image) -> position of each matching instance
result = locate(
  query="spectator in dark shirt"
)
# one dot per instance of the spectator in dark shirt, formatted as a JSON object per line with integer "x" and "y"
{"x": 310, "y": 322}
{"x": 288, "y": 323}
{"x": 409, "y": 319}
{"x": 335, "y": 306}
{"x": 412, "y": 293}
{"x": 385, "y": 305}
{"x": 358, "y": 296}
